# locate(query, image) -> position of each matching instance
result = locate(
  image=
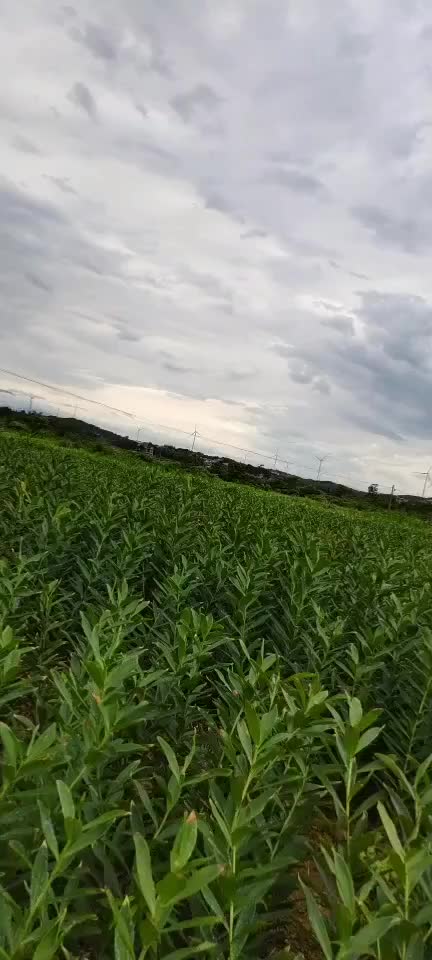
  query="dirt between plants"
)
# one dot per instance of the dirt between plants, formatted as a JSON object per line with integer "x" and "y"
{"x": 295, "y": 935}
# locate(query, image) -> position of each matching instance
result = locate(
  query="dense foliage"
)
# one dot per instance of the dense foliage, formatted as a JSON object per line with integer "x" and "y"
{"x": 216, "y": 709}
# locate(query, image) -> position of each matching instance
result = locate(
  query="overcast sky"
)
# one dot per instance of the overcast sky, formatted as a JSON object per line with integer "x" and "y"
{"x": 219, "y": 212}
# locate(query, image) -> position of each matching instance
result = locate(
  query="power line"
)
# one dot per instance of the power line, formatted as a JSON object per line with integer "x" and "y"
{"x": 99, "y": 403}
{"x": 67, "y": 393}
{"x": 278, "y": 457}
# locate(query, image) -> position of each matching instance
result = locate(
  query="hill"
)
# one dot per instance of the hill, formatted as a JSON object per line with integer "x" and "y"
{"x": 74, "y": 432}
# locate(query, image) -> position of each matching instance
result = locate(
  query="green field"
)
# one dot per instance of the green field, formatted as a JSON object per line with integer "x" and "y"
{"x": 216, "y": 710}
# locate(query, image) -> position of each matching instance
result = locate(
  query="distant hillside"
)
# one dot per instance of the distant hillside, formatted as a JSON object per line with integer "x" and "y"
{"x": 74, "y": 432}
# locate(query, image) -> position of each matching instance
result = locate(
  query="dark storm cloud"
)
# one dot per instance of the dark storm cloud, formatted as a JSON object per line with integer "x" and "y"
{"x": 370, "y": 423}
{"x": 385, "y": 371}
{"x": 81, "y": 96}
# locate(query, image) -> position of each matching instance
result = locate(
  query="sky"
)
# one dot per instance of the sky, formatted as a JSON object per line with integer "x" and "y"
{"x": 219, "y": 214}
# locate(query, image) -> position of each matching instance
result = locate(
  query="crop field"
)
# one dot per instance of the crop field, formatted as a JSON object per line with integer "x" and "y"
{"x": 216, "y": 718}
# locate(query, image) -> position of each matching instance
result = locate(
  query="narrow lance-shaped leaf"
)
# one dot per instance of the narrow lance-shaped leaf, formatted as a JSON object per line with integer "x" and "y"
{"x": 144, "y": 872}
{"x": 184, "y": 843}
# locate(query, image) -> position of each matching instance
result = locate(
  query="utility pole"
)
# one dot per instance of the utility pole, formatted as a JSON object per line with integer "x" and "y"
{"x": 31, "y": 398}
{"x": 195, "y": 434}
{"x": 275, "y": 459}
{"x": 391, "y": 497}
{"x": 320, "y": 463}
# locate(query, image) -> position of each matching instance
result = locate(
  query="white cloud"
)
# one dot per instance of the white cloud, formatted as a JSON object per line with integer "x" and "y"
{"x": 206, "y": 207}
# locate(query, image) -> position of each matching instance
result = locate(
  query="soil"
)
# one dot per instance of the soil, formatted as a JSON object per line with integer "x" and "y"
{"x": 295, "y": 936}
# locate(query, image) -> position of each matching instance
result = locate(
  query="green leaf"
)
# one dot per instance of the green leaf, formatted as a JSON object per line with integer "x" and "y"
{"x": 171, "y": 758}
{"x": 184, "y": 952}
{"x": 41, "y": 746}
{"x": 367, "y": 738}
{"x": 389, "y": 762}
{"x": 123, "y": 928}
{"x": 91, "y": 833}
{"x": 180, "y": 889}
{"x": 416, "y": 865}
{"x": 146, "y": 802}
{"x": 355, "y": 712}
{"x": 11, "y": 745}
{"x": 144, "y": 872}
{"x": 39, "y": 877}
{"x": 424, "y": 915}
{"x": 258, "y": 804}
{"x": 317, "y": 923}
{"x": 368, "y": 935}
{"x": 48, "y": 829}
{"x": 245, "y": 739}
{"x": 253, "y": 723}
{"x": 267, "y": 723}
{"x": 124, "y": 932}
{"x": 391, "y": 831}
{"x": 423, "y": 769}
{"x": 345, "y": 883}
{"x": 66, "y": 801}
{"x": 184, "y": 843}
{"x": 221, "y": 822}
{"x": 47, "y": 947}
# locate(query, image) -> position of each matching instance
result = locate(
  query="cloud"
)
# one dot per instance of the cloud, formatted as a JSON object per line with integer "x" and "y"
{"x": 62, "y": 183}
{"x": 215, "y": 201}
{"x": 129, "y": 336}
{"x": 384, "y": 369}
{"x": 19, "y": 209}
{"x": 294, "y": 180}
{"x": 342, "y": 323}
{"x": 80, "y": 95}
{"x": 99, "y": 41}
{"x": 24, "y": 145}
{"x": 199, "y": 99}
{"x": 253, "y": 233}
{"x": 242, "y": 240}
{"x": 38, "y": 282}
{"x": 174, "y": 367}
{"x": 408, "y": 233}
